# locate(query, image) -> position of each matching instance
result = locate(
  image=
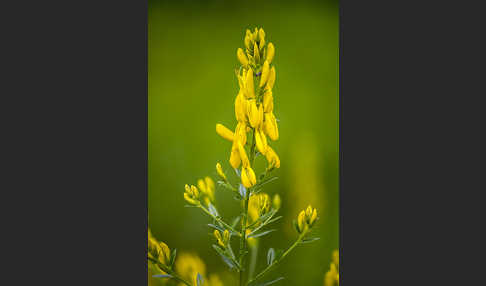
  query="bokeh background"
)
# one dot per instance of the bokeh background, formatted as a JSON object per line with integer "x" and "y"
{"x": 191, "y": 87}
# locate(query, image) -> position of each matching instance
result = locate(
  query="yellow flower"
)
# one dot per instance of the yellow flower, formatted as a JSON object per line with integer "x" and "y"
{"x": 158, "y": 250}
{"x": 272, "y": 157}
{"x": 220, "y": 172}
{"x": 235, "y": 159}
{"x": 256, "y": 52}
{"x": 306, "y": 219}
{"x": 188, "y": 265}
{"x": 261, "y": 141}
{"x": 191, "y": 195}
{"x": 270, "y": 126}
{"x": 265, "y": 73}
{"x": 243, "y": 156}
{"x": 242, "y": 57}
{"x": 240, "y": 107}
{"x": 219, "y": 238}
{"x": 270, "y": 52}
{"x": 271, "y": 79}
{"x": 261, "y": 37}
{"x": 332, "y": 276}
{"x": 268, "y": 101}
{"x": 249, "y": 85}
{"x": 248, "y": 178}
{"x": 224, "y": 132}
{"x": 240, "y": 133}
{"x": 213, "y": 280}
{"x": 207, "y": 188}
{"x": 253, "y": 113}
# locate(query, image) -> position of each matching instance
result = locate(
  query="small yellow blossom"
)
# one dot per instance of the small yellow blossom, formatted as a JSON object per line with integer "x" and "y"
{"x": 249, "y": 85}
{"x": 220, "y": 172}
{"x": 265, "y": 73}
{"x": 224, "y": 132}
{"x": 268, "y": 101}
{"x": 271, "y": 79}
{"x": 191, "y": 195}
{"x": 261, "y": 141}
{"x": 242, "y": 57}
{"x": 270, "y": 126}
{"x": 306, "y": 219}
{"x": 248, "y": 178}
{"x": 276, "y": 201}
{"x": 270, "y": 52}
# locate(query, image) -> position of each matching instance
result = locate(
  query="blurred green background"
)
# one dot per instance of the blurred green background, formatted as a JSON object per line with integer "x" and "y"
{"x": 191, "y": 87}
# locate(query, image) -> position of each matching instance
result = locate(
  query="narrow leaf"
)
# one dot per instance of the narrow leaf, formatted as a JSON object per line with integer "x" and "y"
{"x": 216, "y": 227}
{"x": 270, "y": 256}
{"x": 173, "y": 256}
{"x": 309, "y": 240}
{"x": 213, "y": 210}
{"x": 162, "y": 276}
{"x": 235, "y": 221}
{"x": 261, "y": 233}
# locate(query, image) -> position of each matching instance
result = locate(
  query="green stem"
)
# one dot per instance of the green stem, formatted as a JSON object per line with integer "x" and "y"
{"x": 253, "y": 261}
{"x": 244, "y": 217}
{"x": 219, "y": 220}
{"x": 269, "y": 267}
{"x": 169, "y": 271}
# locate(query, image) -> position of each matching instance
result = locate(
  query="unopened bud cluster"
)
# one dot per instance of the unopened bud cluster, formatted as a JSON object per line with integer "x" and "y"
{"x": 204, "y": 191}
{"x": 306, "y": 219}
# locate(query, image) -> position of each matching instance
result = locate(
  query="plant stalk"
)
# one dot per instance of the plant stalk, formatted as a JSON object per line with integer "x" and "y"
{"x": 269, "y": 267}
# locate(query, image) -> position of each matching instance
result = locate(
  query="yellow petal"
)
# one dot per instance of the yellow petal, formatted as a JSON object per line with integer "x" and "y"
{"x": 243, "y": 156}
{"x": 235, "y": 159}
{"x": 249, "y": 85}
{"x": 272, "y": 157}
{"x": 261, "y": 141}
{"x": 253, "y": 114}
{"x": 224, "y": 132}
{"x": 270, "y": 126}
{"x": 265, "y": 73}
{"x": 256, "y": 53}
{"x": 220, "y": 172}
{"x": 270, "y": 52}
{"x": 271, "y": 79}
{"x": 240, "y": 107}
{"x": 242, "y": 57}
{"x": 268, "y": 101}
{"x": 301, "y": 221}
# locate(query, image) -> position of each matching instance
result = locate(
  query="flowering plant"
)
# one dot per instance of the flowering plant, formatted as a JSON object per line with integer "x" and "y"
{"x": 254, "y": 112}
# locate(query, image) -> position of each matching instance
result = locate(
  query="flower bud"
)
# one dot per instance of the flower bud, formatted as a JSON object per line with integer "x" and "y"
{"x": 261, "y": 141}
{"x": 240, "y": 133}
{"x": 268, "y": 101}
{"x": 272, "y": 157}
{"x": 224, "y": 132}
{"x": 271, "y": 79}
{"x": 248, "y": 178}
{"x": 261, "y": 38}
{"x": 301, "y": 221}
{"x": 270, "y": 126}
{"x": 270, "y": 52}
{"x": 256, "y": 53}
{"x": 265, "y": 73}
{"x": 243, "y": 156}
{"x": 235, "y": 159}
{"x": 253, "y": 113}
{"x": 226, "y": 236}
{"x": 249, "y": 85}
{"x": 220, "y": 172}
{"x": 242, "y": 57}
{"x": 218, "y": 237}
{"x": 240, "y": 107}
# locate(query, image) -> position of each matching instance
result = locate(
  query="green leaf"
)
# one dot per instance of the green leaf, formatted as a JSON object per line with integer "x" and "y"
{"x": 309, "y": 240}
{"x": 216, "y": 227}
{"x": 270, "y": 256}
{"x": 235, "y": 221}
{"x": 162, "y": 276}
{"x": 213, "y": 210}
{"x": 261, "y": 233}
{"x": 230, "y": 262}
{"x": 173, "y": 257}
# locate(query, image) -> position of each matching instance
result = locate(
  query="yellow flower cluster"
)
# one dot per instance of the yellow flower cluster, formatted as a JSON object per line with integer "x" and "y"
{"x": 253, "y": 105}
{"x": 259, "y": 205}
{"x": 158, "y": 251}
{"x": 306, "y": 219}
{"x": 332, "y": 276}
{"x": 204, "y": 190}
{"x": 222, "y": 239}
{"x": 188, "y": 265}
